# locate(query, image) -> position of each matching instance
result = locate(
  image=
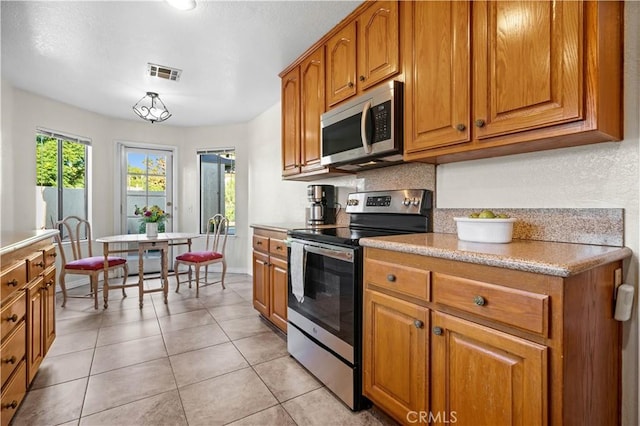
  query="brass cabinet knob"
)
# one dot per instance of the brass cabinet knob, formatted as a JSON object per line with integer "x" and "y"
{"x": 479, "y": 300}
{"x": 11, "y": 405}
{"x": 480, "y": 123}
{"x": 437, "y": 331}
{"x": 12, "y": 283}
{"x": 362, "y": 78}
{"x": 39, "y": 264}
{"x": 350, "y": 84}
{"x": 418, "y": 323}
{"x": 391, "y": 278}
{"x": 11, "y": 360}
{"x": 13, "y": 318}
{"x": 460, "y": 127}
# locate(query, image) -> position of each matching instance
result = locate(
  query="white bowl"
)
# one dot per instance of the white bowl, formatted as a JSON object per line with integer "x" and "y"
{"x": 485, "y": 230}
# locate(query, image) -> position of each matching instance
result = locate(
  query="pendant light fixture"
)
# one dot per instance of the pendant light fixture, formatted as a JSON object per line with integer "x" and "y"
{"x": 151, "y": 108}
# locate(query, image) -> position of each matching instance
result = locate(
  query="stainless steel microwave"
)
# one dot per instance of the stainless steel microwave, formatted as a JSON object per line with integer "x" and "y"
{"x": 365, "y": 132}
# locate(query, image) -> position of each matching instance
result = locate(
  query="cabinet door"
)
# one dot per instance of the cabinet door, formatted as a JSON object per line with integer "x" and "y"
{"x": 35, "y": 340}
{"x": 527, "y": 65}
{"x": 291, "y": 123}
{"x": 261, "y": 283}
{"x": 378, "y": 44}
{"x": 480, "y": 376}
{"x": 341, "y": 65}
{"x": 312, "y": 103}
{"x": 279, "y": 293}
{"x": 49, "y": 309}
{"x": 437, "y": 90}
{"x": 395, "y": 355}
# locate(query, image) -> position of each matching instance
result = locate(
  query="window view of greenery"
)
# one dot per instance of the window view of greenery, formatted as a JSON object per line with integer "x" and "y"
{"x": 146, "y": 187}
{"x": 61, "y": 177}
{"x": 217, "y": 186}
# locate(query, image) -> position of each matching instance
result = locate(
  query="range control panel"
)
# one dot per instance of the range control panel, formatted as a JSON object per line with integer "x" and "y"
{"x": 404, "y": 201}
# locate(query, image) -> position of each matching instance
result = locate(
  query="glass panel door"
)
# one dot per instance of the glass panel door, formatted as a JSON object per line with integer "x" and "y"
{"x": 147, "y": 182}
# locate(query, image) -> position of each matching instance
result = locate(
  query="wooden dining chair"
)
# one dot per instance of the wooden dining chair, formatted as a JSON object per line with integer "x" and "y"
{"x": 77, "y": 232}
{"x": 216, "y": 241}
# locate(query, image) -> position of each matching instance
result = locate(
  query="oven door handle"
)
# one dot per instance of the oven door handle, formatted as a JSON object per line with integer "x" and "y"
{"x": 346, "y": 256}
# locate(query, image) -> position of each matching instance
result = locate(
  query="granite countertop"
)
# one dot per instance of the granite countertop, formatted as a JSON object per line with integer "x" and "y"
{"x": 549, "y": 258}
{"x": 11, "y": 241}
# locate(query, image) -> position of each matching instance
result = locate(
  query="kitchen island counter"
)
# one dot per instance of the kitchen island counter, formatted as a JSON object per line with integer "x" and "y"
{"x": 549, "y": 258}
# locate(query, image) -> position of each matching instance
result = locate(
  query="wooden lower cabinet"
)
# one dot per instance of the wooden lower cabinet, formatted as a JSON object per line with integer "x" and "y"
{"x": 27, "y": 317}
{"x": 481, "y": 376}
{"x": 395, "y": 350}
{"x": 489, "y": 346}
{"x": 270, "y": 276}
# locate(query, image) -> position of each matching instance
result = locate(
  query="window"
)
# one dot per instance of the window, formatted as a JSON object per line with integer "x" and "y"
{"x": 61, "y": 176}
{"x": 217, "y": 186}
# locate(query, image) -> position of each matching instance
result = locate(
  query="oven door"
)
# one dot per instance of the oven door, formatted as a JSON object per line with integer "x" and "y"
{"x": 322, "y": 294}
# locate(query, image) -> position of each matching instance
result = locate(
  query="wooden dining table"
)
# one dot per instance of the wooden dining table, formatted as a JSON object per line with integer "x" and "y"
{"x": 144, "y": 243}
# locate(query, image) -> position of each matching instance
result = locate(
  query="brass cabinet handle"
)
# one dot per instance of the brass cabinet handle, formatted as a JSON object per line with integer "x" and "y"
{"x": 418, "y": 323}
{"x": 391, "y": 278}
{"x": 12, "y": 405}
{"x": 480, "y": 123}
{"x": 54, "y": 254}
{"x": 460, "y": 127}
{"x": 49, "y": 283}
{"x": 350, "y": 84}
{"x": 362, "y": 78}
{"x": 11, "y": 360}
{"x": 13, "y": 318}
{"x": 437, "y": 331}
{"x": 12, "y": 283}
{"x": 39, "y": 264}
{"x": 278, "y": 247}
{"x": 259, "y": 243}
{"x": 479, "y": 300}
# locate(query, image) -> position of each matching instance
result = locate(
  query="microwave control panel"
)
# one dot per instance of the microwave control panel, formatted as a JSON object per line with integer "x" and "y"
{"x": 381, "y": 115}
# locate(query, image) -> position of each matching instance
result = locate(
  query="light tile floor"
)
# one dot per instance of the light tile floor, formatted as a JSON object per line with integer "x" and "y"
{"x": 195, "y": 361}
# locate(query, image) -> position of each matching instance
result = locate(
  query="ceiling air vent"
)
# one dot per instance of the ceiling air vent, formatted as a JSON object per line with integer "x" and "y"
{"x": 161, "y": 71}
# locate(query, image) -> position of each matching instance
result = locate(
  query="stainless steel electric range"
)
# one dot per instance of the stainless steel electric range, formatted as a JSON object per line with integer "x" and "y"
{"x": 325, "y": 285}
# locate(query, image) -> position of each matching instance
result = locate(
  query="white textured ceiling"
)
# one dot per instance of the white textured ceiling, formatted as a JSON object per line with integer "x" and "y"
{"x": 94, "y": 54}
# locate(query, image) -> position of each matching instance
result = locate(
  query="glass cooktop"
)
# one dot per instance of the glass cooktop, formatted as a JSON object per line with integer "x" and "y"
{"x": 342, "y": 235}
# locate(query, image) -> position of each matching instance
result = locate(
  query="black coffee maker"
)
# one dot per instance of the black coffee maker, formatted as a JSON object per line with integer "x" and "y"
{"x": 322, "y": 210}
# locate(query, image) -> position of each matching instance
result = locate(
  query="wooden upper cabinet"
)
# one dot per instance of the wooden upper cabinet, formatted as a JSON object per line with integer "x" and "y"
{"x": 291, "y": 122}
{"x": 341, "y": 65}
{"x": 527, "y": 65}
{"x": 378, "y": 43}
{"x": 312, "y": 94}
{"x": 437, "y": 74}
{"x": 364, "y": 52}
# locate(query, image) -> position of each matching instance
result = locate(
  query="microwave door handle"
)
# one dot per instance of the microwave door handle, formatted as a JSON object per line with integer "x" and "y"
{"x": 366, "y": 110}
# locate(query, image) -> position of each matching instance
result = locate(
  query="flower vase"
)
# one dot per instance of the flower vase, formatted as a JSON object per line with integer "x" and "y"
{"x": 152, "y": 229}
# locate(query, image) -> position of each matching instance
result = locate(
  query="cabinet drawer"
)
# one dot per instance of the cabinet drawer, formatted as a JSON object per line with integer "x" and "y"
{"x": 35, "y": 265}
{"x": 12, "y": 314}
{"x": 13, "y": 278}
{"x": 12, "y": 352}
{"x": 522, "y": 309}
{"x": 50, "y": 255}
{"x": 278, "y": 247}
{"x": 400, "y": 278}
{"x": 13, "y": 394}
{"x": 260, "y": 243}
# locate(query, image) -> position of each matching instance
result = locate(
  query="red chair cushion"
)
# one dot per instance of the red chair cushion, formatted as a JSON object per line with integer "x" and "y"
{"x": 94, "y": 263}
{"x": 199, "y": 256}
